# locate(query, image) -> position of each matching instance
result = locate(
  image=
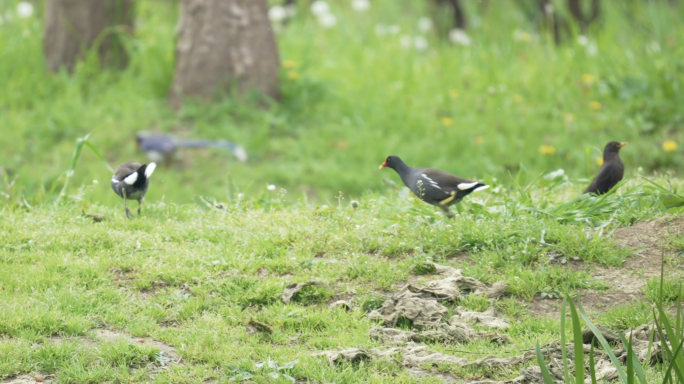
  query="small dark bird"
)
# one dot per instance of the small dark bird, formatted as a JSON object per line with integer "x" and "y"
{"x": 432, "y": 185}
{"x": 130, "y": 181}
{"x": 163, "y": 148}
{"x": 611, "y": 171}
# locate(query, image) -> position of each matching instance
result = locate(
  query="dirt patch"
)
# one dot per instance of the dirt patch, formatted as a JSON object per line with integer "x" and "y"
{"x": 646, "y": 241}
{"x": 31, "y": 378}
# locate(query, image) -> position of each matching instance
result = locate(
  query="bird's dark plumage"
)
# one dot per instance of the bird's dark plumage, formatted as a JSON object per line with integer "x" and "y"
{"x": 611, "y": 171}
{"x": 131, "y": 180}
{"x": 432, "y": 185}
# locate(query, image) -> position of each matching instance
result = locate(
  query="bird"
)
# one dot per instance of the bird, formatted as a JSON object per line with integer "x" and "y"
{"x": 611, "y": 171}
{"x": 131, "y": 180}
{"x": 162, "y": 147}
{"x": 433, "y": 186}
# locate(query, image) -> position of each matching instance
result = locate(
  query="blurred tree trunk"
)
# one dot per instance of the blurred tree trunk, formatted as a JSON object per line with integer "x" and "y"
{"x": 583, "y": 20}
{"x": 223, "y": 43}
{"x": 73, "y": 26}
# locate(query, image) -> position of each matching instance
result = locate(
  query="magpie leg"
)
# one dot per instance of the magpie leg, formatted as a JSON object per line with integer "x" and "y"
{"x": 139, "y": 204}
{"x": 128, "y": 211}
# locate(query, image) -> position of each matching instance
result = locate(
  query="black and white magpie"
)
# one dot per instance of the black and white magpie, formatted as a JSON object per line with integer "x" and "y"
{"x": 131, "y": 180}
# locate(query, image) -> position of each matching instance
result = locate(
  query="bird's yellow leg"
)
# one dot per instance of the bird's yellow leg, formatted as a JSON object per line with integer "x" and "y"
{"x": 449, "y": 199}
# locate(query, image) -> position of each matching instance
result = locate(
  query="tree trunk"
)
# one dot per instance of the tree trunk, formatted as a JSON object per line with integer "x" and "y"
{"x": 73, "y": 26}
{"x": 224, "y": 43}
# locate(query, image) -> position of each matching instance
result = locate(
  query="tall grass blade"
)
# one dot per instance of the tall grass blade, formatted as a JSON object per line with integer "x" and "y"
{"x": 668, "y": 372}
{"x": 592, "y": 368}
{"x": 672, "y": 335}
{"x": 566, "y": 375}
{"x": 578, "y": 344}
{"x": 604, "y": 343}
{"x": 542, "y": 365}
{"x": 633, "y": 360}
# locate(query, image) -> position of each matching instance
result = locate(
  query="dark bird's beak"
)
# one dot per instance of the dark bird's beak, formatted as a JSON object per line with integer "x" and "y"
{"x": 622, "y": 144}
{"x": 383, "y": 165}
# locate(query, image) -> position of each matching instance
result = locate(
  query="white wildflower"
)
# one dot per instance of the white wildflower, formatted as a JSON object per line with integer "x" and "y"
{"x": 24, "y": 9}
{"x": 95, "y": 182}
{"x": 555, "y": 174}
{"x": 424, "y": 24}
{"x": 271, "y": 187}
{"x": 405, "y": 41}
{"x": 277, "y": 13}
{"x": 582, "y": 40}
{"x": 393, "y": 29}
{"x": 592, "y": 49}
{"x": 327, "y": 20}
{"x": 459, "y": 36}
{"x": 360, "y": 5}
{"x": 320, "y": 8}
{"x": 420, "y": 43}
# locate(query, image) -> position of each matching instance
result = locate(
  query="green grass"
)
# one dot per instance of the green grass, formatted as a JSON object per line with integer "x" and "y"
{"x": 359, "y": 98}
{"x": 214, "y": 249}
{"x": 195, "y": 276}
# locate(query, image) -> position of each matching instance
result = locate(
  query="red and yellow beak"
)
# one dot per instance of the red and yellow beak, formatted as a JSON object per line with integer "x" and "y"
{"x": 623, "y": 144}
{"x": 383, "y": 165}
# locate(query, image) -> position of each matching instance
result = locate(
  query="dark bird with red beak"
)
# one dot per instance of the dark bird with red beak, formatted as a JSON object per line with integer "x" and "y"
{"x": 433, "y": 186}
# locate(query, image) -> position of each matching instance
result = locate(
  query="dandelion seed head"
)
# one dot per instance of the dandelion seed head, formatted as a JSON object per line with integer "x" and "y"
{"x": 360, "y": 5}
{"x": 24, "y": 9}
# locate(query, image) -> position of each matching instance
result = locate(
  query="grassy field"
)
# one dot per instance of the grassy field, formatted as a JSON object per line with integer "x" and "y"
{"x": 477, "y": 111}
{"x": 204, "y": 282}
{"x": 192, "y": 290}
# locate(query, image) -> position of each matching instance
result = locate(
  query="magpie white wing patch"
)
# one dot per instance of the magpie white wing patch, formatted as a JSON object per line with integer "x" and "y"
{"x": 481, "y": 188}
{"x": 432, "y": 182}
{"x": 131, "y": 179}
{"x": 150, "y": 169}
{"x": 114, "y": 180}
{"x": 465, "y": 186}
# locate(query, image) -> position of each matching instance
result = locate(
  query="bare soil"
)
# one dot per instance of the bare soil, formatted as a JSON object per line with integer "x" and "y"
{"x": 647, "y": 241}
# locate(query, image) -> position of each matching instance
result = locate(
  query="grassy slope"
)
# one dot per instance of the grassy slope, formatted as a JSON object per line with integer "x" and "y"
{"x": 359, "y": 98}
{"x": 194, "y": 276}
{"x": 200, "y": 274}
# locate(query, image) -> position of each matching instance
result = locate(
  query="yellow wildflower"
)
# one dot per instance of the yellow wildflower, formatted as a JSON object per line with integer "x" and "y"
{"x": 599, "y": 161}
{"x": 569, "y": 118}
{"x": 517, "y": 98}
{"x": 447, "y": 121}
{"x": 453, "y": 93}
{"x": 547, "y": 150}
{"x": 526, "y": 37}
{"x": 669, "y": 146}
{"x": 479, "y": 140}
{"x": 292, "y": 75}
{"x": 588, "y": 79}
{"x": 289, "y": 64}
{"x": 595, "y": 105}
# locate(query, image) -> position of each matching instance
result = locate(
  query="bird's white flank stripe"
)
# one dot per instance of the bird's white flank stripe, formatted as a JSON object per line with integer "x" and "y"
{"x": 434, "y": 183}
{"x": 481, "y": 188}
{"x": 114, "y": 180}
{"x": 150, "y": 169}
{"x": 464, "y": 186}
{"x": 130, "y": 179}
